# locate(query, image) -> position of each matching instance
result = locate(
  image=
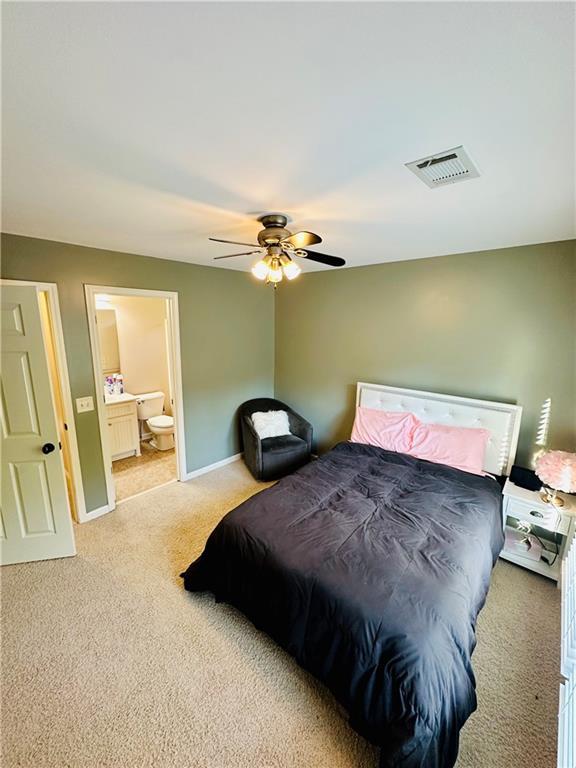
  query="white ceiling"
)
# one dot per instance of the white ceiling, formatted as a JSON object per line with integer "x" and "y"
{"x": 147, "y": 127}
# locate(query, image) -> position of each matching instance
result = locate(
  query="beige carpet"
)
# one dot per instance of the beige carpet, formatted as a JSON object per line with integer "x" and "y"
{"x": 140, "y": 473}
{"x": 107, "y": 661}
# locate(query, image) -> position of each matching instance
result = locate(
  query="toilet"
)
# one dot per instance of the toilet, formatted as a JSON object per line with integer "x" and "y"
{"x": 150, "y": 407}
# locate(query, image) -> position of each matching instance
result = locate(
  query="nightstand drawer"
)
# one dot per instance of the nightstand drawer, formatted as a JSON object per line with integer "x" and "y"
{"x": 537, "y": 514}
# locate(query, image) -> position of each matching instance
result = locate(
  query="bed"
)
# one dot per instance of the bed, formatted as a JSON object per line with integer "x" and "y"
{"x": 370, "y": 568}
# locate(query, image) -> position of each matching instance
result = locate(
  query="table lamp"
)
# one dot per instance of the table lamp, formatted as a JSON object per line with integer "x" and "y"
{"x": 557, "y": 470}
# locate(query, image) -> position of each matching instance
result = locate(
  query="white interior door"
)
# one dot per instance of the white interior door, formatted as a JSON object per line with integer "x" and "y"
{"x": 35, "y": 522}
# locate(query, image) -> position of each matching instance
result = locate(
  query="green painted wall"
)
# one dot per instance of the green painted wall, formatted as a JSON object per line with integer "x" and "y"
{"x": 499, "y": 325}
{"x": 226, "y": 335}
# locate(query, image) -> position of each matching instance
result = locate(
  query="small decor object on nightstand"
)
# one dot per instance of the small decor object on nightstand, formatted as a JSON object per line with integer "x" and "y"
{"x": 557, "y": 470}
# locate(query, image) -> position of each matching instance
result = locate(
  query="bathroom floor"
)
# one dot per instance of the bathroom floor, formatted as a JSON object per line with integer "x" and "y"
{"x": 140, "y": 473}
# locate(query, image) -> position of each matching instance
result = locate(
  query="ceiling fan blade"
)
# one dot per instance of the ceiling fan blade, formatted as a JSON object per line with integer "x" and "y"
{"x": 231, "y": 255}
{"x": 302, "y": 239}
{"x": 322, "y": 258}
{"x": 233, "y": 242}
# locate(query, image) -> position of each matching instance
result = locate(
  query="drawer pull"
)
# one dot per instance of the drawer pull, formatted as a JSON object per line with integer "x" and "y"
{"x": 536, "y": 513}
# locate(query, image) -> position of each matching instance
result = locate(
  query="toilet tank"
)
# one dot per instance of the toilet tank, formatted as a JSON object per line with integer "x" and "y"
{"x": 149, "y": 404}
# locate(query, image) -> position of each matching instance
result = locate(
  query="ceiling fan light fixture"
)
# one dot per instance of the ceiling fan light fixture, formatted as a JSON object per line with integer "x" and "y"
{"x": 260, "y": 270}
{"x": 275, "y": 271}
{"x": 291, "y": 269}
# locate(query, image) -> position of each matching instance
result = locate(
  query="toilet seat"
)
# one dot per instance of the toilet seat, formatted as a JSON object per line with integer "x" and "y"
{"x": 161, "y": 422}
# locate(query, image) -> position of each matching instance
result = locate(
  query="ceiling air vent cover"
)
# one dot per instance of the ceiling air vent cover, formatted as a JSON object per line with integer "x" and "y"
{"x": 446, "y": 167}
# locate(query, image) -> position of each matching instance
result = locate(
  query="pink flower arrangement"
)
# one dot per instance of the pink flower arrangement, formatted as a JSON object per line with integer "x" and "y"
{"x": 557, "y": 470}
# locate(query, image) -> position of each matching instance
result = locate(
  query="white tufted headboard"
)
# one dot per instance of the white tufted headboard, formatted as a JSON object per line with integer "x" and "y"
{"x": 501, "y": 419}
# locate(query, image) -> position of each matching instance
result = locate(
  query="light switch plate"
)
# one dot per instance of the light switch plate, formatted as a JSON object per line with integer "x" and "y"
{"x": 84, "y": 404}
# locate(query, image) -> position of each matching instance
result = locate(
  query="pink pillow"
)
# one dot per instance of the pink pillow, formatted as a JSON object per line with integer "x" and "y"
{"x": 391, "y": 430}
{"x": 458, "y": 447}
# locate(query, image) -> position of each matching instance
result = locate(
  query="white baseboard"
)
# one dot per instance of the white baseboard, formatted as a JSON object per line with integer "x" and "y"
{"x": 210, "y": 467}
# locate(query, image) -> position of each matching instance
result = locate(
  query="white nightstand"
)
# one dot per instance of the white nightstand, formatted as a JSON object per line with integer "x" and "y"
{"x": 552, "y": 525}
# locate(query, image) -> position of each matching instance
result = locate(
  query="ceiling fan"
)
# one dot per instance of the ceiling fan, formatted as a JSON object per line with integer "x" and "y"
{"x": 278, "y": 247}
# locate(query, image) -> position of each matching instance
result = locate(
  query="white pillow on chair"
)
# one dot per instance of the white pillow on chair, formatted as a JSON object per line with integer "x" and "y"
{"x": 271, "y": 423}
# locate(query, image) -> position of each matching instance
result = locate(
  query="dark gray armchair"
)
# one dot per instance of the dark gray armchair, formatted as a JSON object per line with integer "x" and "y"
{"x": 274, "y": 457}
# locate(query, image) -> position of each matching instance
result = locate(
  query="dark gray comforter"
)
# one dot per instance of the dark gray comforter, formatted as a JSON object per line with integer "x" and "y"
{"x": 370, "y": 568}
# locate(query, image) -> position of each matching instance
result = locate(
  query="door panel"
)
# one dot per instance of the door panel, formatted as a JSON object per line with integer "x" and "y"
{"x": 18, "y": 401}
{"x": 12, "y": 324}
{"x": 32, "y": 497}
{"x": 123, "y": 437}
{"x": 36, "y": 517}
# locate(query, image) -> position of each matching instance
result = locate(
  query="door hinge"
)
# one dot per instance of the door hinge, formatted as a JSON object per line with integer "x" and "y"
{"x": 65, "y": 427}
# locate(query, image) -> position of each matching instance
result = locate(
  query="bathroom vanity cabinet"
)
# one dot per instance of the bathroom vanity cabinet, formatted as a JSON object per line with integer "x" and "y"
{"x": 123, "y": 433}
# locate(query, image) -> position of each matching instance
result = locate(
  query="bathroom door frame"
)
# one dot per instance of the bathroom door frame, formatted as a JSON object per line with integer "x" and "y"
{"x": 174, "y": 363}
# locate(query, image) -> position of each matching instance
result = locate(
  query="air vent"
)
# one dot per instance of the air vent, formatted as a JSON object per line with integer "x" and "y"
{"x": 446, "y": 167}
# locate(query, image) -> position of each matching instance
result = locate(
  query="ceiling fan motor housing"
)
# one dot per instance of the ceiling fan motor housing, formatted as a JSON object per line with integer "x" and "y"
{"x": 274, "y": 228}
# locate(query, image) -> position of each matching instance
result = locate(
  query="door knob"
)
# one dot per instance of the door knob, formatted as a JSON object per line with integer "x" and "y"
{"x": 47, "y": 447}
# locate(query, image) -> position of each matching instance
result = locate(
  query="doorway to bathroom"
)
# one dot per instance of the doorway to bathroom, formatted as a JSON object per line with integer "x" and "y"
{"x": 136, "y": 359}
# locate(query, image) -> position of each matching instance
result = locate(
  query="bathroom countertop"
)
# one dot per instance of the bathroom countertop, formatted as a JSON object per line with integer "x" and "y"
{"x": 126, "y": 397}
